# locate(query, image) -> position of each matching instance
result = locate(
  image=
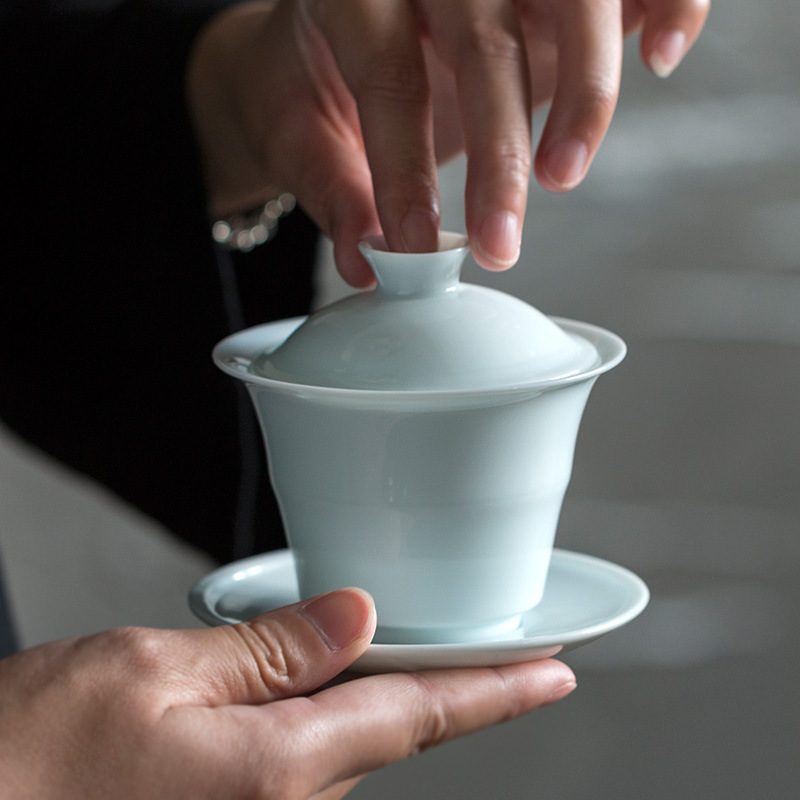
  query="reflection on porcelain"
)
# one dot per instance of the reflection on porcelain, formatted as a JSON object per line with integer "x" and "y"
{"x": 421, "y": 435}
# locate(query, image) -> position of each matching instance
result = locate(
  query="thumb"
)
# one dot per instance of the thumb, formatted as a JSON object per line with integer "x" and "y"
{"x": 285, "y": 653}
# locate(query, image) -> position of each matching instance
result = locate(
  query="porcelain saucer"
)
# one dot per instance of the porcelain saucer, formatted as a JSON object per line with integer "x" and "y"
{"x": 585, "y": 597}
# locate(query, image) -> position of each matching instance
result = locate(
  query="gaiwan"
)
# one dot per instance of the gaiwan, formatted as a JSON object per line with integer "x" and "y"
{"x": 420, "y": 439}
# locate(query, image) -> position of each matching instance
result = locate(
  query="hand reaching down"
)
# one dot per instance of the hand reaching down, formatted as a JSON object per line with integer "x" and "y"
{"x": 350, "y": 104}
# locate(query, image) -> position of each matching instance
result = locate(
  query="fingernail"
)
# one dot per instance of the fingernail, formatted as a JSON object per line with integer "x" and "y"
{"x": 667, "y": 52}
{"x": 420, "y": 231}
{"x": 499, "y": 238}
{"x": 560, "y": 693}
{"x": 565, "y": 162}
{"x": 341, "y": 617}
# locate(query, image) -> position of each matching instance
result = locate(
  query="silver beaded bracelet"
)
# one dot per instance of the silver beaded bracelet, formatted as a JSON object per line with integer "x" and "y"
{"x": 245, "y": 231}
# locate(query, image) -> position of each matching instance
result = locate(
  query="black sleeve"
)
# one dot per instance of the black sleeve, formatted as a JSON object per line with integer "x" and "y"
{"x": 111, "y": 297}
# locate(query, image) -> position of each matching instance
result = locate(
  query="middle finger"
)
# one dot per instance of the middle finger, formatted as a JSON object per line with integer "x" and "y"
{"x": 482, "y": 43}
{"x": 376, "y": 47}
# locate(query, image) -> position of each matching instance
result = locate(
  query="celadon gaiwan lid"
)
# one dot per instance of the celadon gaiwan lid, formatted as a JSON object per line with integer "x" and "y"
{"x": 421, "y": 329}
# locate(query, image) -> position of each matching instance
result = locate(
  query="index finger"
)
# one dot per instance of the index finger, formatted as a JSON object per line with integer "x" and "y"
{"x": 375, "y": 721}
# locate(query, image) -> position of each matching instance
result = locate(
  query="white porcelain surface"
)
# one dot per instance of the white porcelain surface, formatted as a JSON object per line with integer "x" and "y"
{"x": 421, "y": 329}
{"x": 454, "y": 491}
{"x": 585, "y": 598}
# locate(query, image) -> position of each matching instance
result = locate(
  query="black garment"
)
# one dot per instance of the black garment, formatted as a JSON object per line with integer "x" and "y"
{"x": 113, "y": 295}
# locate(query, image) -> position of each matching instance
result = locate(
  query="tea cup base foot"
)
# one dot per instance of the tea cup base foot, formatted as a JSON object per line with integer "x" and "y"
{"x": 509, "y": 628}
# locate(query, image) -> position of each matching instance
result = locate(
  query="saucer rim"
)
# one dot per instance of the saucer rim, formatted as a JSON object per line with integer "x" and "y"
{"x": 382, "y": 656}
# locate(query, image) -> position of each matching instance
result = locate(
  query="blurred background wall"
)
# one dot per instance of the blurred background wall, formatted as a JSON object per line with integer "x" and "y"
{"x": 685, "y": 240}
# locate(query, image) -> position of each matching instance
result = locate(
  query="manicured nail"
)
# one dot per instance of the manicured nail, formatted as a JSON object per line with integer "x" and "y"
{"x": 667, "y": 52}
{"x": 565, "y": 162}
{"x": 499, "y": 239}
{"x": 420, "y": 231}
{"x": 341, "y": 617}
{"x": 560, "y": 693}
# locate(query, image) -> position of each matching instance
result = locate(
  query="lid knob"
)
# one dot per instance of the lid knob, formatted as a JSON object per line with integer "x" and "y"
{"x": 422, "y": 330}
{"x": 416, "y": 274}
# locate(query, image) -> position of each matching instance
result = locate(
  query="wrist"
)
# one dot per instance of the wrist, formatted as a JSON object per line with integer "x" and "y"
{"x": 219, "y": 71}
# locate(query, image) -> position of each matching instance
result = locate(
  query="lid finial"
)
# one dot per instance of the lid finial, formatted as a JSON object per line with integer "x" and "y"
{"x": 407, "y": 274}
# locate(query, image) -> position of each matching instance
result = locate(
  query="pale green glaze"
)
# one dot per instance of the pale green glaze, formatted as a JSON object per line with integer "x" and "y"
{"x": 420, "y": 441}
{"x": 421, "y": 329}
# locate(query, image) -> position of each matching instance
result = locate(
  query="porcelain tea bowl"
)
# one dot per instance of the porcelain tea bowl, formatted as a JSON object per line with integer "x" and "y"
{"x": 420, "y": 439}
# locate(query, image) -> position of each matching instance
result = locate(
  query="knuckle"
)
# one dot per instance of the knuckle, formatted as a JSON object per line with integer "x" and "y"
{"x": 511, "y": 158}
{"x": 435, "y": 722}
{"x": 142, "y": 649}
{"x": 600, "y": 94}
{"x": 393, "y": 77}
{"x": 513, "y": 704}
{"x": 139, "y": 662}
{"x": 514, "y": 157}
{"x": 268, "y": 648}
{"x": 411, "y": 183}
{"x": 486, "y": 40}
